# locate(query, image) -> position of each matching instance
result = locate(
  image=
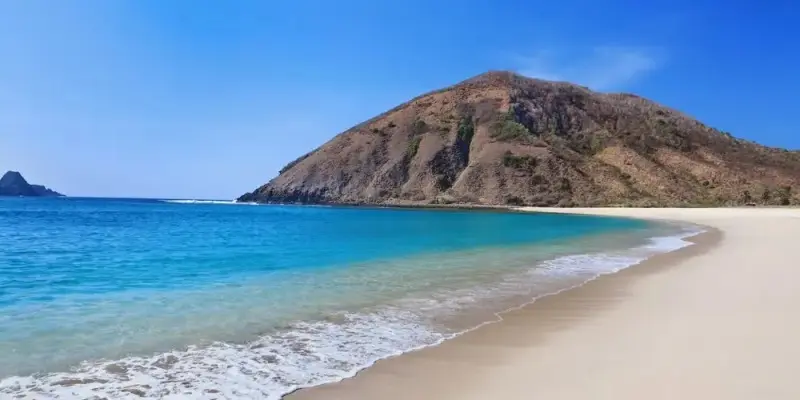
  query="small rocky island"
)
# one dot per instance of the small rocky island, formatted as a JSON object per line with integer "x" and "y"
{"x": 14, "y": 184}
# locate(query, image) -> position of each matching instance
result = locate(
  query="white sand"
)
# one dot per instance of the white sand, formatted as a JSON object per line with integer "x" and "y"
{"x": 716, "y": 323}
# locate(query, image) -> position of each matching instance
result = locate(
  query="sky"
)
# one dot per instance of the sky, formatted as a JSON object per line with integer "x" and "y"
{"x": 209, "y": 99}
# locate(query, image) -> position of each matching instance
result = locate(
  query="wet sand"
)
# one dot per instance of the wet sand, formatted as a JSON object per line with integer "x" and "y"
{"x": 716, "y": 320}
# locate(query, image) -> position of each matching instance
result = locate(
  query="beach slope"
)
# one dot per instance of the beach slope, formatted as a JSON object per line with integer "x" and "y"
{"x": 717, "y": 320}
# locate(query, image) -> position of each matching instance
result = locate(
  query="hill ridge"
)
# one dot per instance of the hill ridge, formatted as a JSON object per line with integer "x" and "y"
{"x": 501, "y": 138}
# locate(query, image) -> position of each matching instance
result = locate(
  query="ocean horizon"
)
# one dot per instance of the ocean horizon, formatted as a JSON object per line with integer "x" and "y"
{"x": 130, "y": 298}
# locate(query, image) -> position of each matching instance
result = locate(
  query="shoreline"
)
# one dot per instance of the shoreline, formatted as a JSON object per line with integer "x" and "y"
{"x": 110, "y": 375}
{"x": 700, "y": 242}
{"x": 476, "y": 358}
{"x": 704, "y": 236}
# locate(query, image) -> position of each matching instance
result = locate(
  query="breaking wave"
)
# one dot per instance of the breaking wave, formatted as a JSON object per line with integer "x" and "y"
{"x": 306, "y": 354}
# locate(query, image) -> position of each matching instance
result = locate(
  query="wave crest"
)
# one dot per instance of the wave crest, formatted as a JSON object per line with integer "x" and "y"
{"x": 229, "y": 202}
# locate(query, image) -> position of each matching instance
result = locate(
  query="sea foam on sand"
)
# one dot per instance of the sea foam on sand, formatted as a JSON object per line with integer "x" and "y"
{"x": 312, "y": 353}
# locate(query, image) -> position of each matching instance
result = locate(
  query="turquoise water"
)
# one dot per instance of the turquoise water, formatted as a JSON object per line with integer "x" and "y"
{"x": 217, "y": 300}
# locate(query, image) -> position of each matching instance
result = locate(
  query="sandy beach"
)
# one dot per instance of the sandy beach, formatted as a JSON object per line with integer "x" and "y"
{"x": 716, "y": 320}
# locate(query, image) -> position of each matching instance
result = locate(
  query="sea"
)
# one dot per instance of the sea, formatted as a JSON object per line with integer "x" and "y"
{"x": 176, "y": 299}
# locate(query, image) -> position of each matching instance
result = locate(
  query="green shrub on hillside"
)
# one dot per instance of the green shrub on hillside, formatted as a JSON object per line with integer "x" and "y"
{"x": 508, "y": 129}
{"x": 466, "y": 130}
{"x": 518, "y": 162}
{"x": 419, "y": 127}
{"x": 413, "y": 147}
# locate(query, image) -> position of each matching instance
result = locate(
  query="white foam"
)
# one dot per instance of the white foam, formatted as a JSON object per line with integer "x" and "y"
{"x": 312, "y": 353}
{"x": 305, "y": 355}
{"x": 604, "y": 263}
{"x": 667, "y": 244}
{"x": 228, "y": 202}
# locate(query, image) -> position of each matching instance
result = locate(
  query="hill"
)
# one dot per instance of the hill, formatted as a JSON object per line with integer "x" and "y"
{"x": 14, "y": 184}
{"x": 501, "y": 138}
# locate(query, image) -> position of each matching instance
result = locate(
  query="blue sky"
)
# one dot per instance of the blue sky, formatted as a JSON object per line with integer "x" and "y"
{"x": 208, "y": 99}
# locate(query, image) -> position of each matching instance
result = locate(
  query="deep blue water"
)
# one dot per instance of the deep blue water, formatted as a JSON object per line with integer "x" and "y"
{"x": 59, "y": 247}
{"x": 106, "y": 279}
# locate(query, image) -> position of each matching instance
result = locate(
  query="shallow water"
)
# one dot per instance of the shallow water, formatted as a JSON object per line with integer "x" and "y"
{"x": 121, "y": 298}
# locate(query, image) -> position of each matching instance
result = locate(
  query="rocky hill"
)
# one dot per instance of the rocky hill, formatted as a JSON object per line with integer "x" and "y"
{"x": 13, "y": 184}
{"x": 501, "y": 138}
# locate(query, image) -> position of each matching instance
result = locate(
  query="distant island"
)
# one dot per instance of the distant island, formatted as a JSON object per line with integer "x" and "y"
{"x": 14, "y": 184}
{"x": 505, "y": 139}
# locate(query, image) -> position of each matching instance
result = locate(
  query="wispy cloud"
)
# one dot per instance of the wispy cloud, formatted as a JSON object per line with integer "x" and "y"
{"x": 600, "y": 68}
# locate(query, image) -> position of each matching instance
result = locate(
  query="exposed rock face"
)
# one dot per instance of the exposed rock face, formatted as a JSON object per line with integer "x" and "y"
{"x": 13, "y": 184}
{"x": 44, "y": 191}
{"x": 500, "y": 138}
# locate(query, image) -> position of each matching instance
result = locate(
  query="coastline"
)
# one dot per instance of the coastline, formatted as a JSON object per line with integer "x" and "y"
{"x": 555, "y": 347}
{"x": 325, "y": 346}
